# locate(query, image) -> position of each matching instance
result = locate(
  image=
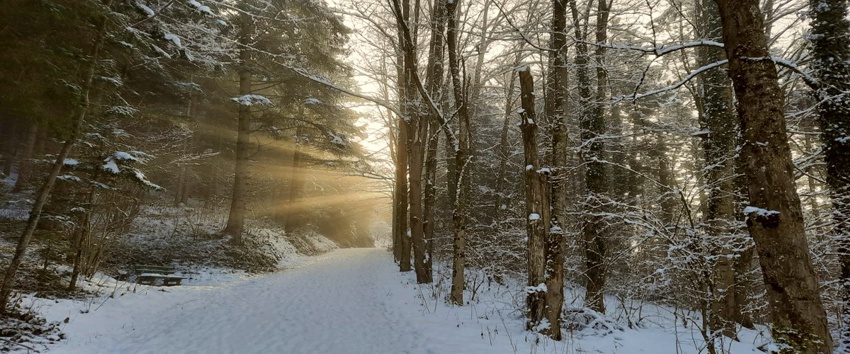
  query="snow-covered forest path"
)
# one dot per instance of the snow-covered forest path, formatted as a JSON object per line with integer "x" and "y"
{"x": 337, "y": 303}
{"x": 347, "y": 301}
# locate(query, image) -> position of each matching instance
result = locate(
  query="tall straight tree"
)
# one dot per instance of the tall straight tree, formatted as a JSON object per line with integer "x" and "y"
{"x": 774, "y": 217}
{"x": 462, "y": 156}
{"x": 418, "y": 142}
{"x": 406, "y": 97}
{"x": 592, "y": 123}
{"x": 537, "y": 208}
{"x": 401, "y": 248}
{"x": 717, "y": 117}
{"x": 236, "y": 219}
{"x": 831, "y": 53}
{"x": 428, "y": 130}
{"x": 556, "y": 111}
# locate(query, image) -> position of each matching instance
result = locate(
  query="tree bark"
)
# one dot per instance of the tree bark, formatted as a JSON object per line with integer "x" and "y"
{"x": 81, "y": 232}
{"x": 416, "y": 151}
{"x": 25, "y": 160}
{"x": 407, "y": 94}
{"x": 775, "y": 218}
{"x": 236, "y": 219}
{"x": 426, "y": 142}
{"x": 462, "y": 158}
{"x": 717, "y": 116}
{"x": 536, "y": 206}
{"x": 556, "y": 111}
{"x": 431, "y": 193}
{"x": 592, "y": 124}
{"x": 831, "y": 51}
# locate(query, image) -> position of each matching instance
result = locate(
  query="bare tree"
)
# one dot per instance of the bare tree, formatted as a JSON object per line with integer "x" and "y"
{"x": 775, "y": 218}
{"x": 536, "y": 205}
{"x": 719, "y": 133}
{"x": 556, "y": 107}
{"x": 462, "y": 157}
{"x": 831, "y": 52}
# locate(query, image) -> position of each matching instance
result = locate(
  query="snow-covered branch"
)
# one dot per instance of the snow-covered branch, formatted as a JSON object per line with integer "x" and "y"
{"x": 674, "y": 86}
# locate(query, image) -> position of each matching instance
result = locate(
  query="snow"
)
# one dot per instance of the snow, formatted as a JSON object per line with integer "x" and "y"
{"x": 147, "y": 10}
{"x": 120, "y": 155}
{"x": 71, "y": 162}
{"x": 174, "y": 39}
{"x": 122, "y": 110}
{"x": 672, "y": 48}
{"x": 336, "y": 139}
{"x": 702, "y": 132}
{"x": 69, "y": 178}
{"x": 250, "y": 100}
{"x": 141, "y": 178}
{"x": 540, "y": 288}
{"x": 533, "y": 216}
{"x": 761, "y": 212}
{"x": 111, "y": 166}
{"x": 161, "y": 51}
{"x": 115, "y": 81}
{"x": 338, "y": 303}
{"x": 312, "y": 100}
{"x": 351, "y": 301}
{"x": 202, "y": 8}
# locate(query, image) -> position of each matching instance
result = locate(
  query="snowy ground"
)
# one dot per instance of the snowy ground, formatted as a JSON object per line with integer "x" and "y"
{"x": 345, "y": 301}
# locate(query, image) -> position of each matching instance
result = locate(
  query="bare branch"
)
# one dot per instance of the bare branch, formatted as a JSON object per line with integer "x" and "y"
{"x": 674, "y": 86}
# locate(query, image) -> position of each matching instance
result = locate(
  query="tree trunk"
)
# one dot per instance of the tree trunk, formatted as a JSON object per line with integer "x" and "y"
{"x": 415, "y": 148}
{"x": 717, "y": 117}
{"x": 422, "y": 216}
{"x": 592, "y": 124}
{"x": 407, "y": 97}
{"x": 294, "y": 215}
{"x": 536, "y": 206}
{"x": 400, "y": 197}
{"x": 10, "y": 148}
{"x": 431, "y": 193}
{"x": 81, "y": 232}
{"x": 236, "y": 220}
{"x": 556, "y": 111}
{"x": 25, "y": 160}
{"x": 831, "y": 51}
{"x": 775, "y": 218}
{"x": 462, "y": 158}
